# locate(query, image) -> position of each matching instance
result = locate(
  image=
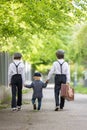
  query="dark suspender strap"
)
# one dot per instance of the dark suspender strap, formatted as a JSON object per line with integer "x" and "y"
{"x": 17, "y": 66}
{"x": 61, "y": 66}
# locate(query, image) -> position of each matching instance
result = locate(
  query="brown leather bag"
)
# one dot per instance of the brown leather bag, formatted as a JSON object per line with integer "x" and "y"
{"x": 67, "y": 92}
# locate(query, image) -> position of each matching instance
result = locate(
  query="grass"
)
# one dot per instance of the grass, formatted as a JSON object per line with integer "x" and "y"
{"x": 3, "y": 106}
{"x": 80, "y": 89}
{"x": 5, "y": 101}
{"x": 25, "y": 91}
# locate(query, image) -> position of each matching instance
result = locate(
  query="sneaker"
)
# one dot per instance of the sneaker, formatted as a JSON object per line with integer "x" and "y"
{"x": 34, "y": 106}
{"x": 19, "y": 108}
{"x": 57, "y": 108}
{"x": 14, "y": 109}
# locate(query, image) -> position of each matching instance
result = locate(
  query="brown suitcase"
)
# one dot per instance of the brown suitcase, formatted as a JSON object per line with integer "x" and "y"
{"x": 67, "y": 92}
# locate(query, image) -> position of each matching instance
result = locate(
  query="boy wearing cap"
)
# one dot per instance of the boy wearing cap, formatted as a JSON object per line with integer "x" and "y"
{"x": 16, "y": 80}
{"x": 62, "y": 75}
{"x": 37, "y": 85}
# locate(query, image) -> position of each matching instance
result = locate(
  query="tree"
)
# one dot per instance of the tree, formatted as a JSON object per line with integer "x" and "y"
{"x": 37, "y": 28}
{"x": 81, "y": 44}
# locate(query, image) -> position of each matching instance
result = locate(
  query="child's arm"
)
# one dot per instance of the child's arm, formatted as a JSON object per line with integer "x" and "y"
{"x": 45, "y": 85}
{"x": 29, "y": 85}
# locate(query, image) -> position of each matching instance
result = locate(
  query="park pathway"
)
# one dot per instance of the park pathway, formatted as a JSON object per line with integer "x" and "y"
{"x": 73, "y": 117}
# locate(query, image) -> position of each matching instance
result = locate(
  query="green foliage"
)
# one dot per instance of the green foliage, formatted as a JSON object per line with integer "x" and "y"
{"x": 79, "y": 45}
{"x": 80, "y": 89}
{"x": 37, "y": 28}
{"x": 82, "y": 44}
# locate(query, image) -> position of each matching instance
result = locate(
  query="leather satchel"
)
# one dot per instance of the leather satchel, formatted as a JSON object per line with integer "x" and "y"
{"x": 67, "y": 92}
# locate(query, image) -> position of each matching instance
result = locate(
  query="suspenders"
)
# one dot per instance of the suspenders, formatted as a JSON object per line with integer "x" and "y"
{"x": 16, "y": 66}
{"x": 61, "y": 66}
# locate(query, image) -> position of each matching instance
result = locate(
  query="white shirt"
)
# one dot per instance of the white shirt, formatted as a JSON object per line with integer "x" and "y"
{"x": 12, "y": 70}
{"x": 56, "y": 69}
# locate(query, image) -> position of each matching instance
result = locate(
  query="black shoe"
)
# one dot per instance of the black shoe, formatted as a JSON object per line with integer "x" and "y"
{"x": 34, "y": 106}
{"x": 61, "y": 108}
{"x": 56, "y": 109}
{"x": 38, "y": 109}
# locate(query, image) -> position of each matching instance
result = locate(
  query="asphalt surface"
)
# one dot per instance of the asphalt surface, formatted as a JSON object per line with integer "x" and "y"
{"x": 73, "y": 117}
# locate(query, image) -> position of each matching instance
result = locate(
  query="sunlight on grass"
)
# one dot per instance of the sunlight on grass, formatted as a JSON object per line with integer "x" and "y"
{"x": 81, "y": 89}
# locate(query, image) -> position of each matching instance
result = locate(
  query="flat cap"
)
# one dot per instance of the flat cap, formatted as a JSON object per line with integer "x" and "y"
{"x": 60, "y": 52}
{"x": 17, "y": 55}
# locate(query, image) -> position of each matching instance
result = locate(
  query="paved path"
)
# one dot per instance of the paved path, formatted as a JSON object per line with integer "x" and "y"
{"x": 73, "y": 117}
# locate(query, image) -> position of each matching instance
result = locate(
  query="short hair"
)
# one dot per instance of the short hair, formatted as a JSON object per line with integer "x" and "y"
{"x": 60, "y": 54}
{"x": 17, "y": 55}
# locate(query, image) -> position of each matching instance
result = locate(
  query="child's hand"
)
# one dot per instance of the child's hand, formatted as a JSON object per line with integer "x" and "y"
{"x": 26, "y": 86}
{"x": 47, "y": 81}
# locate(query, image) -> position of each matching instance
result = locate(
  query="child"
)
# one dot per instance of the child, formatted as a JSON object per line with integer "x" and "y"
{"x": 16, "y": 80}
{"x": 62, "y": 75}
{"x": 37, "y": 85}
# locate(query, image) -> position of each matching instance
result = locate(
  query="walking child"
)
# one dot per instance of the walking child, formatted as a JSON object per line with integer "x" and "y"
{"x": 62, "y": 75}
{"x": 37, "y": 85}
{"x": 16, "y": 80}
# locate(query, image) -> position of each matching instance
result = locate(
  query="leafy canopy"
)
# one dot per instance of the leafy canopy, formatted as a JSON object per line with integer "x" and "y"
{"x": 37, "y": 28}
